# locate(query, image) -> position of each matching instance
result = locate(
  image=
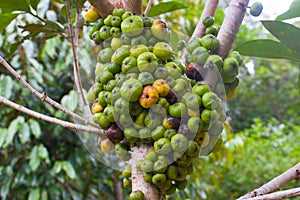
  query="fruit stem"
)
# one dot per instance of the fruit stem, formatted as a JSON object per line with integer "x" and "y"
{"x": 231, "y": 24}
{"x": 150, "y": 2}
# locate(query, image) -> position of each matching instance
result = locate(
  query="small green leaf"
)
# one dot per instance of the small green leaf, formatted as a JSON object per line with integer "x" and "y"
{"x": 57, "y": 167}
{"x": 6, "y": 86}
{"x": 267, "y": 49}
{"x": 35, "y": 128}
{"x": 24, "y": 133}
{"x": 286, "y": 33}
{"x": 16, "y": 5}
{"x": 70, "y": 100}
{"x": 3, "y": 135}
{"x": 43, "y": 152}
{"x": 5, "y": 19}
{"x": 34, "y": 194}
{"x": 292, "y": 12}
{"x": 165, "y": 7}
{"x": 34, "y": 3}
{"x": 68, "y": 168}
{"x": 12, "y": 129}
{"x": 35, "y": 160}
{"x": 5, "y": 188}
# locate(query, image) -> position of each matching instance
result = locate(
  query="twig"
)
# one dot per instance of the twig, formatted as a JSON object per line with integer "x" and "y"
{"x": 150, "y": 2}
{"x": 279, "y": 195}
{"x": 118, "y": 187}
{"x": 40, "y": 116}
{"x": 209, "y": 10}
{"x": 231, "y": 24}
{"x": 275, "y": 183}
{"x": 43, "y": 96}
{"x": 74, "y": 42}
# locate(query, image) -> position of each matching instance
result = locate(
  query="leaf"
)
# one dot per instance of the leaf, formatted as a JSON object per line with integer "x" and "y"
{"x": 70, "y": 100}
{"x": 165, "y": 7}
{"x": 12, "y": 129}
{"x": 35, "y": 128}
{"x": 286, "y": 33}
{"x": 6, "y": 86}
{"x": 43, "y": 153}
{"x": 35, "y": 161}
{"x": 5, "y": 188}
{"x": 267, "y": 49}
{"x": 57, "y": 167}
{"x": 24, "y": 133}
{"x": 292, "y": 12}
{"x": 20, "y": 5}
{"x": 5, "y": 19}
{"x": 3, "y": 135}
{"x": 34, "y": 4}
{"x": 34, "y": 194}
{"x": 68, "y": 168}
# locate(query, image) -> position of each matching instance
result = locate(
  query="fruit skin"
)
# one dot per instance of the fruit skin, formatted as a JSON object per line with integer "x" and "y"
{"x": 194, "y": 124}
{"x": 256, "y": 9}
{"x": 210, "y": 42}
{"x": 118, "y": 12}
{"x": 200, "y": 54}
{"x": 181, "y": 185}
{"x": 159, "y": 29}
{"x": 121, "y": 150}
{"x": 194, "y": 72}
{"x": 97, "y": 107}
{"x": 159, "y": 179}
{"x": 116, "y": 21}
{"x": 131, "y": 135}
{"x": 126, "y": 173}
{"x": 158, "y": 132}
{"x": 149, "y": 97}
{"x": 214, "y": 30}
{"x": 200, "y": 89}
{"x": 230, "y": 67}
{"x": 119, "y": 54}
{"x": 106, "y": 146}
{"x": 162, "y": 87}
{"x": 131, "y": 90}
{"x": 146, "y": 165}
{"x": 171, "y": 122}
{"x": 179, "y": 143}
{"x": 209, "y": 116}
{"x": 172, "y": 172}
{"x": 91, "y": 15}
{"x": 102, "y": 120}
{"x": 136, "y": 50}
{"x": 162, "y": 146}
{"x": 193, "y": 149}
{"x": 210, "y": 100}
{"x": 132, "y": 26}
{"x": 208, "y": 21}
{"x": 163, "y": 50}
{"x": 136, "y": 195}
{"x": 147, "y": 62}
{"x": 127, "y": 183}
{"x": 177, "y": 110}
{"x": 129, "y": 64}
{"x": 193, "y": 44}
{"x": 146, "y": 78}
{"x": 105, "y": 32}
{"x": 114, "y": 134}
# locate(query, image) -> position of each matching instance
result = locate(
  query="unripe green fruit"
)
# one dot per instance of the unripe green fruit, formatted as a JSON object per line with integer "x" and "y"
{"x": 158, "y": 132}
{"x": 126, "y": 14}
{"x": 209, "y": 116}
{"x": 212, "y": 30}
{"x": 195, "y": 124}
{"x": 210, "y": 42}
{"x": 200, "y": 89}
{"x": 129, "y": 64}
{"x": 179, "y": 143}
{"x": 127, "y": 171}
{"x": 181, "y": 185}
{"x": 163, "y": 50}
{"x": 118, "y": 12}
{"x": 147, "y": 176}
{"x": 105, "y": 55}
{"x": 214, "y": 59}
{"x": 172, "y": 172}
{"x": 146, "y": 165}
{"x": 114, "y": 31}
{"x": 126, "y": 183}
{"x": 200, "y": 54}
{"x": 210, "y": 100}
{"x": 208, "y": 21}
{"x": 132, "y": 26}
{"x": 181, "y": 44}
{"x": 136, "y": 50}
{"x": 121, "y": 53}
{"x": 237, "y": 56}
{"x": 193, "y": 44}
{"x": 256, "y": 9}
{"x": 139, "y": 40}
{"x": 136, "y": 195}
{"x": 145, "y": 135}
{"x": 230, "y": 67}
{"x": 171, "y": 190}
{"x": 159, "y": 29}
{"x": 131, "y": 135}
{"x": 116, "y": 21}
{"x": 107, "y": 20}
{"x": 193, "y": 149}
{"x": 159, "y": 179}
{"x": 105, "y": 32}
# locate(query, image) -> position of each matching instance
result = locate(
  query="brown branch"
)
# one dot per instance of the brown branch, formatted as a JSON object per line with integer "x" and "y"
{"x": 105, "y": 7}
{"x": 231, "y": 24}
{"x": 150, "y": 191}
{"x": 118, "y": 187}
{"x": 43, "y": 96}
{"x": 46, "y": 118}
{"x": 150, "y": 2}
{"x": 279, "y": 195}
{"x": 209, "y": 10}
{"x": 275, "y": 183}
{"x": 74, "y": 35}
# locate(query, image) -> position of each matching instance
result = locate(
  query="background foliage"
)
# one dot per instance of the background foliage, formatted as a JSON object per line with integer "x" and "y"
{"x": 39, "y": 160}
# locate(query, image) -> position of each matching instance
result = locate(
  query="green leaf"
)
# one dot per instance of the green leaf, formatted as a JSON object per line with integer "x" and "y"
{"x": 286, "y": 33}
{"x": 5, "y": 19}
{"x": 34, "y": 4}
{"x": 267, "y": 49}
{"x": 43, "y": 153}
{"x": 35, "y": 128}
{"x": 5, "y": 188}
{"x": 3, "y": 135}
{"x": 12, "y": 129}
{"x": 165, "y": 7}
{"x": 68, "y": 168}
{"x": 20, "y": 5}
{"x": 34, "y": 194}
{"x": 6, "y": 86}
{"x": 70, "y": 100}
{"x": 35, "y": 160}
{"x": 57, "y": 167}
{"x": 292, "y": 12}
{"x": 24, "y": 133}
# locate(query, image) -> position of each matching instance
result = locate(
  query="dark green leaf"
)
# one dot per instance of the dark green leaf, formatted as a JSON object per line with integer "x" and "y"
{"x": 20, "y": 5}
{"x": 3, "y": 135}
{"x": 68, "y": 168}
{"x": 286, "y": 33}
{"x": 5, "y": 20}
{"x": 5, "y": 188}
{"x": 34, "y": 3}
{"x": 12, "y": 129}
{"x": 165, "y": 7}
{"x": 267, "y": 49}
{"x": 35, "y": 161}
{"x": 292, "y": 12}
{"x": 6, "y": 86}
{"x": 70, "y": 100}
{"x": 35, "y": 128}
{"x": 34, "y": 194}
{"x": 24, "y": 133}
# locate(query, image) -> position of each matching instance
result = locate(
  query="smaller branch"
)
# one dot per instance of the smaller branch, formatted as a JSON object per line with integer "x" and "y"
{"x": 52, "y": 120}
{"x": 118, "y": 187}
{"x": 275, "y": 183}
{"x": 209, "y": 10}
{"x": 74, "y": 35}
{"x": 38, "y": 17}
{"x": 279, "y": 195}
{"x": 43, "y": 96}
{"x": 150, "y": 2}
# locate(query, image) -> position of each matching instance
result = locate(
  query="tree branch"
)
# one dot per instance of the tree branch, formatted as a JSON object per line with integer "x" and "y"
{"x": 275, "y": 183}
{"x": 279, "y": 195}
{"x": 118, "y": 187}
{"x": 52, "y": 120}
{"x": 231, "y": 24}
{"x": 74, "y": 42}
{"x": 43, "y": 96}
{"x": 209, "y": 10}
{"x": 150, "y": 2}
{"x": 105, "y": 7}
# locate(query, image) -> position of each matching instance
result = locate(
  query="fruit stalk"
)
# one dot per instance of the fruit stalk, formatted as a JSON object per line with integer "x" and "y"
{"x": 231, "y": 24}
{"x": 150, "y": 191}
{"x": 105, "y": 7}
